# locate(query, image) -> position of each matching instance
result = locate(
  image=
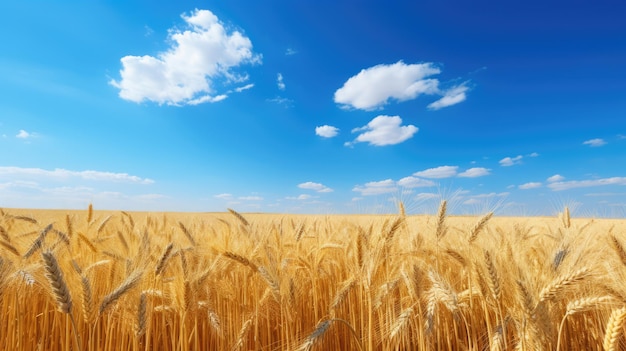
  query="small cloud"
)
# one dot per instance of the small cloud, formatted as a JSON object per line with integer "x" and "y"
{"x": 326, "y": 131}
{"x": 207, "y": 98}
{"x": 281, "y": 101}
{"x": 319, "y": 187}
{"x": 245, "y": 87}
{"x": 250, "y": 198}
{"x": 224, "y": 196}
{"x": 557, "y": 186}
{"x": 23, "y": 134}
{"x": 555, "y": 178}
{"x": 384, "y": 130}
{"x": 451, "y": 97}
{"x": 148, "y": 31}
{"x": 376, "y": 188}
{"x": 300, "y": 197}
{"x": 534, "y": 154}
{"x": 438, "y": 172}
{"x": 414, "y": 182}
{"x": 280, "y": 82}
{"x": 621, "y": 136}
{"x": 510, "y": 161}
{"x": 475, "y": 172}
{"x": 595, "y": 142}
{"x": 530, "y": 185}
{"x": 373, "y": 87}
{"x": 290, "y": 52}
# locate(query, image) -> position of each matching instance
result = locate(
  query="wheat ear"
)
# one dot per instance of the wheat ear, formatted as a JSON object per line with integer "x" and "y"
{"x": 441, "y": 218}
{"x": 613, "y": 329}
{"x": 55, "y": 278}
{"x": 163, "y": 260}
{"x": 239, "y": 217}
{"x": 313, "y": 338}
{"x": 141, "y": 315}
{"x": 479, "y": 226}
{"x": 557, "y": 286}
{"x": 128, "y": 284}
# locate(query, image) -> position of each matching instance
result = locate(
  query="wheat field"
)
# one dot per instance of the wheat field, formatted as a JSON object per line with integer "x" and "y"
{"x": 106, "y": 280}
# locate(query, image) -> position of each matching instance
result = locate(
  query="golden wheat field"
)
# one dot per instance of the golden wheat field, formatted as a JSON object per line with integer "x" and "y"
{"x": 105, "y": 280}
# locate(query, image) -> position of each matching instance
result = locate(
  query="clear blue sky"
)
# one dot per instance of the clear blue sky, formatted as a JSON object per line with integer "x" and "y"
{"x": 314, "y": 106}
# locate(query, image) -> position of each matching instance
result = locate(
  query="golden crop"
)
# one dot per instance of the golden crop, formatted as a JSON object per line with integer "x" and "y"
{"x": 98, "y": 280}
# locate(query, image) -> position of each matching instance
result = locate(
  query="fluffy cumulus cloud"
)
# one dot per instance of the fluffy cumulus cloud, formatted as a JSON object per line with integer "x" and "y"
{"x": 565, "y": 185}
{"x": 326, "y": 131}
{"x": 384, "y": 130}
{"x": 530, "y": 185}
{"x": 200, "y": 56}
{"x": 60, "y": 174}
{"x": 595, "y": 142}
{"x": 475, "y": 172}
{"x": 451, "y": 97}
{"x": 373, "y": 87}
{"x": 438, "y": 172}
{"x": 510, "y": 161}
{"x": 376, "y": 188}
{"x": 319, "y": 187}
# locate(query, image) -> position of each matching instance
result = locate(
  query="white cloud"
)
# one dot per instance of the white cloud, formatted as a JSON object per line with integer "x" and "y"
{"x": 189, "y": 69}
{"x": 437, "y": 172}
{"x": 245, "y": 87}
{"x": 414, "y": 182}
{"x": 23, "y": 134}
{"x": 63, "y": 174}
{"x": 586, "y": 183}
{"x": 530, "y": 185}
{"x": 319, "y": 187}
{"x": 475, "y": 172}
{"x": 250, "y": 198}
{"x": 281, "y": 101}
{"x": 326, "y": 131}
{"x": 510, "y": 161}
{"x": 451, "y": 97}
{"x": 534, "y": 154}
{"x": 595, "y": 142}
{"x": 224, "y": 196}
{"x": 376, "y": 188}
{"x": 290, "y": 52}
{"x": 373, "y": 87}
{"x": 300, "y": 197}
{"x": 384, "y": 130}
{"x": 280, "y": 82}
{"x": 555, "y": 178}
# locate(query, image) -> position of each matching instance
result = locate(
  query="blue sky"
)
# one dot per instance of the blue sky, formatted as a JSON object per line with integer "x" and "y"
{"x": 314, "y": 106}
